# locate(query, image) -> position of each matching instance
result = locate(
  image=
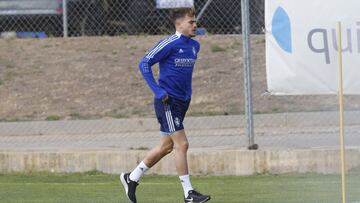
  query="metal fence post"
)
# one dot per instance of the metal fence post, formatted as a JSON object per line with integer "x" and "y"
{"x": 247, "y": 73}
{"x": 65, "y": 25}
{"x": 203, "y": 10}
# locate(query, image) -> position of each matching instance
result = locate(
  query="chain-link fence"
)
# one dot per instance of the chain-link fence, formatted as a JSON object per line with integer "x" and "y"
{"x": 125, "y": 19}
{"x": 41, "y": 17}
{"x": 118, "y": 17}
{"x": 286, "y": 116}
{"x": 87, "y": 82}
{"x": 221, "y": 56}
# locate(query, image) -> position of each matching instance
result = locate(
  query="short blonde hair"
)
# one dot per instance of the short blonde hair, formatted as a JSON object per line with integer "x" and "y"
{"x": 182, "y": 12}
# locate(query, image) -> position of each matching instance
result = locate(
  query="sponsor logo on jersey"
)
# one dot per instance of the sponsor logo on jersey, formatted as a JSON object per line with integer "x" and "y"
{"x": 184, "y": 62}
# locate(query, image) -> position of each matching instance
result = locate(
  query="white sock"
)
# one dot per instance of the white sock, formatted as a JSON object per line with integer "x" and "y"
{"x": 139, "y": 171}
{"x": 186, "y": 184}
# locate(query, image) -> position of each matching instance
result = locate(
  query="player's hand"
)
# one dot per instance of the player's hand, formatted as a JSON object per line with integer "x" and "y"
{"x": 162, "y": 95}
{"x": 165, "y": 99}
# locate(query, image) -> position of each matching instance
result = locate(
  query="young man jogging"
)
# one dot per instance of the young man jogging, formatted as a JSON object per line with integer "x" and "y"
{"x": 176, "y": 56}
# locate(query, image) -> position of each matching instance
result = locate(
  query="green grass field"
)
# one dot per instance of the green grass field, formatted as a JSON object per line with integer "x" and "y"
{"x": 97, "y": 187}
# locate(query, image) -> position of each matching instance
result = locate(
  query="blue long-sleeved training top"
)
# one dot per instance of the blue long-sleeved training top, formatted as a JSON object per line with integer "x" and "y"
{"x": 176, "y": 56}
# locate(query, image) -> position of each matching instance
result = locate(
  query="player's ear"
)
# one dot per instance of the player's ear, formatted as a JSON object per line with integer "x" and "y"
{"x": 178, "y": 21}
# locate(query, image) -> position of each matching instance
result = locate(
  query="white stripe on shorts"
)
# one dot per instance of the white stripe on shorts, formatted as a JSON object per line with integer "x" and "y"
{"x": 169, "y": 118}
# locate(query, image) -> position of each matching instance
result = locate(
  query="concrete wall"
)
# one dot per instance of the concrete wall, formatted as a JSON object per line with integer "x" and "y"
{"x": 201, "y": 161}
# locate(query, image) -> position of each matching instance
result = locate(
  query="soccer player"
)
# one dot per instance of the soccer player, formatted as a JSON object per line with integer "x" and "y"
{"x": 176, "y": 56}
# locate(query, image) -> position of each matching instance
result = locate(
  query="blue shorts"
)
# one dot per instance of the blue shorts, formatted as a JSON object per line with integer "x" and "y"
{"x": 171, "y": 114}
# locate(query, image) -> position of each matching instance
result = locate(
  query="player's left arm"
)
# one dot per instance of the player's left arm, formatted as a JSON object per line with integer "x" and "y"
{"x": 159, "y": 52}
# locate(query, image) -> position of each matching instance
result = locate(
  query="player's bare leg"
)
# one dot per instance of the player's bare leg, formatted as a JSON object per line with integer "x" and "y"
{"x": 181, "y": 147}
{"x": 130, "y": 180}
{"x": 165, "y": 147}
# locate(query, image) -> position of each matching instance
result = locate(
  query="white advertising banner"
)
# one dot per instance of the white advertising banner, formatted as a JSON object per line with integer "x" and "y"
{"x": 301, "y": 46}
{"x": 174, "y": 3}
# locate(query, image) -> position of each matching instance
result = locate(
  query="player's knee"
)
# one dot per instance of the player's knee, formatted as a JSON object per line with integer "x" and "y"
{"x": 183, "y": 146}
{"x": 166, "y": 149}
{"x": 169, "y": 148}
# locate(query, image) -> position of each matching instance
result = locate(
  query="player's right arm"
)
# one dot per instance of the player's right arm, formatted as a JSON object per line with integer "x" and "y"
{"x": 156, "y": 54}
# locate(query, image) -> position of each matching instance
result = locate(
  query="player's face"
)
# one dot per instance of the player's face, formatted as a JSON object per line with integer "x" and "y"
{"x": 188, "y": 26}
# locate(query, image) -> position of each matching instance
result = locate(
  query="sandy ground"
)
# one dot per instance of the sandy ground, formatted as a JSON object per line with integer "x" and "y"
{"x": 97, "y": 77}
